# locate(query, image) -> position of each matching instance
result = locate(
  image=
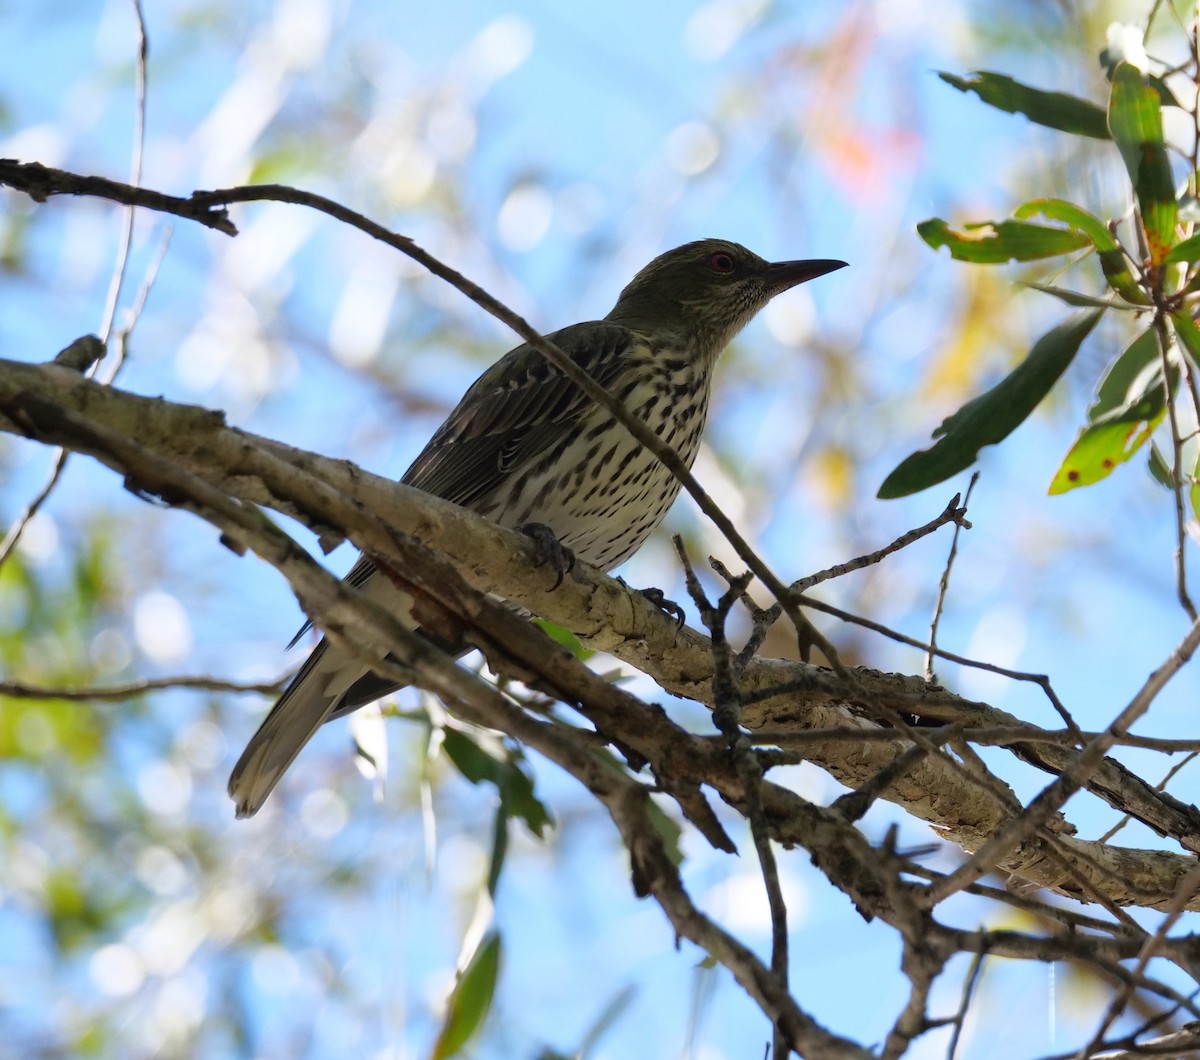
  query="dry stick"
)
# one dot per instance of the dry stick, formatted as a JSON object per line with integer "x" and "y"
{"x": 1160, "y": 786}
{"x": 989, "y": 735}
{"x": 763, "y": 618}
{"x": 1173, "y": 1046}
{"x": 726, "y": 717}
{"x": 1041, "y": 680}
{"x": 922, "y": 965}
{"x": 41, "y": 182}
{"x": 117, "y": 361}
{"x": 944, "y": 585}
{"x": 21, "y": 523}
{"x": 964, "y": 1003}
{"x": 953, "y": 513}
{"x": 99, "y": 693}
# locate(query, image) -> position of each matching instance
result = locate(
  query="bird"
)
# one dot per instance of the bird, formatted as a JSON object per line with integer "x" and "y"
{"x": 527, "y": 449}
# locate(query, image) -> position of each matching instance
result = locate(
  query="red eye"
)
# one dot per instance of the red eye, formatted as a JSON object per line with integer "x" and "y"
{"x": 722, "y": 262}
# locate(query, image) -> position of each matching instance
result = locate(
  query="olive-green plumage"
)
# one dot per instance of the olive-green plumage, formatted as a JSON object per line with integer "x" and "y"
{"x": 526, "y": 446}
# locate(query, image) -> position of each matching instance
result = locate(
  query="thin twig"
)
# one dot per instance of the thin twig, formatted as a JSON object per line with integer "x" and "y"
{"x": 1183, "y": 895}
{"x": 944, "y": 583}
{"x": 1177, "y": 473}
{"x": 139, "y": 148}
{"x": 1160, "y": 786}
{"x": 952, "y": 514}
{"x": 727, "y": 718}
{"x": 1055, "y": 795}
{"x": 100, "y": 693}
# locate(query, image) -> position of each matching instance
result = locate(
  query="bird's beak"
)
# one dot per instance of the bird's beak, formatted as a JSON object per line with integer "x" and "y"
{"x": 780, "y": 275}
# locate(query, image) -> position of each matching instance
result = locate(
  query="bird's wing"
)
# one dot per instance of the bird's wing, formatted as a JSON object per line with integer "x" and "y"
{"x": 518, "y": 408}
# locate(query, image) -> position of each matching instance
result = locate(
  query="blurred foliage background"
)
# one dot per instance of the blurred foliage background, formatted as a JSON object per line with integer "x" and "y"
{"x": 547, "y": 151}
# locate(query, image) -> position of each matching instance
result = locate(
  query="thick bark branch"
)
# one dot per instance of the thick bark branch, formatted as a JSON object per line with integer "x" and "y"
{"x": 608, "y": 616}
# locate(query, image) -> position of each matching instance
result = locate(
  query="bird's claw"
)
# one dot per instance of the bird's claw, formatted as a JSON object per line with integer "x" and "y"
{"x": 668, "y": 607}
{"x": 550, "y": 551}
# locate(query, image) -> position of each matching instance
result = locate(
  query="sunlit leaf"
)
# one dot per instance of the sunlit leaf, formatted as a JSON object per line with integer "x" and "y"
{"x": 562, "y": 635}
{"x": 990, "y": 418}
{"x": 1056, "y": 110}
{"x": 1188, "y": 250}
{"x": 995, "y": 242}
{"x": 1099, "y": 449}
{"x": 471, "y": 999}
{"x": 1135, "y": 119}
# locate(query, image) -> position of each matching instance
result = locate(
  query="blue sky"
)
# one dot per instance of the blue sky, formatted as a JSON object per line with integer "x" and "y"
{"x": 548, "y": 151}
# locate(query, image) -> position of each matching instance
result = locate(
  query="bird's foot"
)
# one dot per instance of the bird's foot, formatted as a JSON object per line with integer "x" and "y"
{"x": 550, "y": 551}
{"x": 668, "y": 607}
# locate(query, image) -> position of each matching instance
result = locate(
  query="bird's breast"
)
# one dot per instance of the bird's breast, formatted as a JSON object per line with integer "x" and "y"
{"x": 601, "y": 491}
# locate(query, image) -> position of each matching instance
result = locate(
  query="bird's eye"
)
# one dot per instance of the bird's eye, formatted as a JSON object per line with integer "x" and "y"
{"x": 722, "y": 262}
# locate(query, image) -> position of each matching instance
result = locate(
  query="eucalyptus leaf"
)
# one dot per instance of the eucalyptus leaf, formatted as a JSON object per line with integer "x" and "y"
{"x": 1135, "y": 120}
{"x": 991, "y": 417}
{"x": 996, "y": 242}
{"x": 1056, "y": 110}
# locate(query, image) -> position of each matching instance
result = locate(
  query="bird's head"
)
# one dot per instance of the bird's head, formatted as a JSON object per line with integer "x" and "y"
{"x": 704, "y": 293}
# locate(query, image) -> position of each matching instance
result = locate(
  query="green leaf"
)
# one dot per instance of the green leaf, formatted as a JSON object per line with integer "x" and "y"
{"x": 1124, "y": 386}
{"x": 1130, "y": 403}
{"x": 1112, "y": 258}
{"x": 516, "y": 792}
{"x": 1135, "y": 119}
{"x": 1159, "y": 469}
{"x": 501, "y": 767}
{"x": 1188, "y": 334}
{"x": 499, "y": 848}
{"x": 562, "y": 635}
{"x": 1188, "y": 250}
{"x": 1099, "y": 449}
{"x": 1056, "y": 110}
{"x": 669, "y": 832}
{"x": 471, "y": 999}
{"x": 995, "y": 242}
{"x": 992, "y": 416}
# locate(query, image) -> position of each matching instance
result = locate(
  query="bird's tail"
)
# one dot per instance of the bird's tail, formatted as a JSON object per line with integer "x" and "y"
{"x": 315, "y": 692}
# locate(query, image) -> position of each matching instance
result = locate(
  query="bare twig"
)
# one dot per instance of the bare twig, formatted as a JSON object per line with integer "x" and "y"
{"x": 727, "y": 718}
{"x": 952, "y": 514}
{"x": 944, "y": 582}
{"x": 99, "y": 693}
{"x": 1177, "y": 472}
